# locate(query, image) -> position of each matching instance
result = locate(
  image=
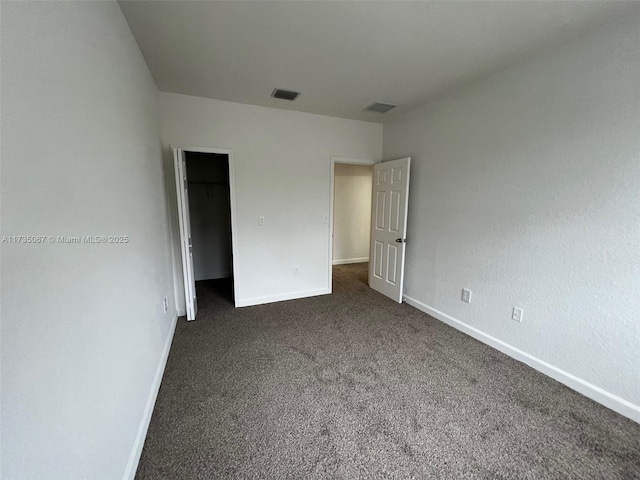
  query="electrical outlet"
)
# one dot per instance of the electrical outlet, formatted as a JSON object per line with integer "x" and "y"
{"x": 466, "y": 295}
{"x": 325, "y": 219}
{"x": 165, "y": 304}
{"x": 296, "y": 271}
{"x": 261, "y": 221}
{"x": 517, "y": 314}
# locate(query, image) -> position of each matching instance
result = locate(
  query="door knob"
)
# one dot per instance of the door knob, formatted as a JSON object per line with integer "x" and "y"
{"x": 401, "y": 240}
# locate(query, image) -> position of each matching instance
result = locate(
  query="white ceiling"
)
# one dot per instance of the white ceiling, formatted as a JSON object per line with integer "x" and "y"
{"x": 343, "y": 56}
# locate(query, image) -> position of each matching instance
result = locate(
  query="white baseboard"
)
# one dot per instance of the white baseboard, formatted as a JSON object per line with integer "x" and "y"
{"x": 247, "y": 302}
{"x": 136, "y": 451}
{"x": 212, "y": 276}
{"x": 615, "y": 403}
{"x": 345, "y": 261}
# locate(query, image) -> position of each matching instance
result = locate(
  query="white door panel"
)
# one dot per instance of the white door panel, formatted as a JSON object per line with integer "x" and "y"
{"x": 389, "y": 227}
{"x": 186, "y": 246}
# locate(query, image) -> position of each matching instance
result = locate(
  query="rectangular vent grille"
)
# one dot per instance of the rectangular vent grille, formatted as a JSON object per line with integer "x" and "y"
{"x": 285, "y": 94}
{"x": 378, "y": 107}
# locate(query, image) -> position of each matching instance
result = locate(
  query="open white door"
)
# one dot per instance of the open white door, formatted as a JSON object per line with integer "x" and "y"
{"x": 185, "y": 233}
{"x": 389, "y": 227}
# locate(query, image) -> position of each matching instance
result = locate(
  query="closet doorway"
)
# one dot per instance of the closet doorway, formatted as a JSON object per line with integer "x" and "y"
{"x": 206, "y": 211}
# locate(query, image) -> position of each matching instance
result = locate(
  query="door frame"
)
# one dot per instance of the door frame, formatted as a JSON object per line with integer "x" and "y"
{"x": 232, "y": 197}
{"x": 349, "y": 161}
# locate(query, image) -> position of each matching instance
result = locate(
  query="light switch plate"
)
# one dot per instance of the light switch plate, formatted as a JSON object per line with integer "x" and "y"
{"x": 466, "y": 295}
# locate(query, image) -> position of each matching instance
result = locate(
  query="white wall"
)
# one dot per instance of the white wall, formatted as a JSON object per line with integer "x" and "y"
{"x": 525, "y": 189}
{"x": 83, "y": 328}
{"x": 282, "y": 172}
{"x": 352, "y": 213}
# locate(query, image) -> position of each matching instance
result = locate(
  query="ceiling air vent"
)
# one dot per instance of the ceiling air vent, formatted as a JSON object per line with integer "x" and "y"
{"x": 378, "y": 107}
{"x": 285, "y": 94}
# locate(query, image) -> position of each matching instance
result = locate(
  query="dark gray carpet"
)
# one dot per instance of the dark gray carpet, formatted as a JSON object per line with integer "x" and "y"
{"x": 352, "y": 385}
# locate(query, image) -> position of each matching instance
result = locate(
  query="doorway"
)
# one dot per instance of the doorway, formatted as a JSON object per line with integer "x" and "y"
{"x": 350, "y": 225}
{"x": 352, "y": 213}
{"x": 206, "y": 207}
{"x": 388, "y": 216}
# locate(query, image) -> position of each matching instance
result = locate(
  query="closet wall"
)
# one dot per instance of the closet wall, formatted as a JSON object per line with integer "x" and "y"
{"x": 210, "y": 212}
